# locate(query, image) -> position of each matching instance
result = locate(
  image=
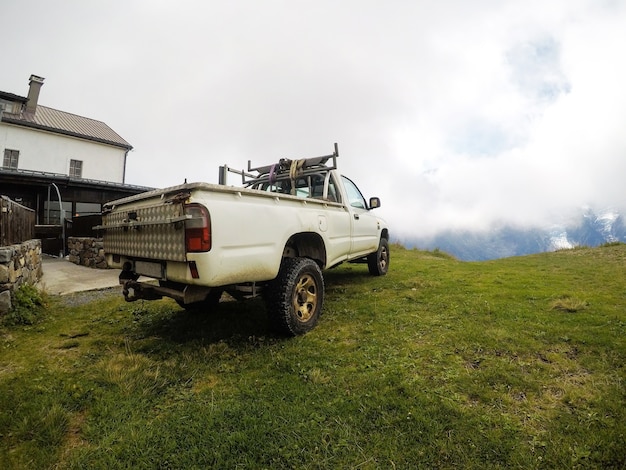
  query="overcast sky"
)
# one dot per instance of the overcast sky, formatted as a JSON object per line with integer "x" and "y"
{"x": 457, "y": 114}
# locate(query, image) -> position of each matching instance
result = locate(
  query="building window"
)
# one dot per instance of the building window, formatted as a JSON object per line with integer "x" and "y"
{"x": 76, "y": 168}
{"x": 52, "y": 212}
{"x": 10, "y": 159}
{"x": 87, "y": 208}
{"x": 7, "y": 106}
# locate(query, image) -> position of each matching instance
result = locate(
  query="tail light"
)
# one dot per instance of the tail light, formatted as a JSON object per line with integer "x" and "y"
{"x": 197, "y": 229}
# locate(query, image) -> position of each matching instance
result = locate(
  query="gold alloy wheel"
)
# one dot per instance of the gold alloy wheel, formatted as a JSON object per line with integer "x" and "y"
{"x": 383, "y": 258}
{"x": 296, "y": 296}
{"x": 305, "y": 298}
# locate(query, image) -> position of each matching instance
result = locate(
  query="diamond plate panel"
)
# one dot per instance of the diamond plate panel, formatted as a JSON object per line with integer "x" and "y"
{"x": 162, "y": 240}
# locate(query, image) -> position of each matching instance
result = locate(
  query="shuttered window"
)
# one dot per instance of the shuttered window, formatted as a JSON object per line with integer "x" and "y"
{"x": 76, "y": 168}
{"x": 11, "y": 158}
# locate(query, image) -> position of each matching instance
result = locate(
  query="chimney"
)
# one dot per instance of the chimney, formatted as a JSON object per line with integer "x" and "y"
{"x": 33, "y": 93}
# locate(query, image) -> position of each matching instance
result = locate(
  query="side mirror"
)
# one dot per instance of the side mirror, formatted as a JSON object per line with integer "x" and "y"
{"x": 374, "y": 203}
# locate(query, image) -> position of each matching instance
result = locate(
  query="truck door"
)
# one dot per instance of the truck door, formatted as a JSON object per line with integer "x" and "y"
{"x": 336, "y": 218}
{"x": 364, "y": 225}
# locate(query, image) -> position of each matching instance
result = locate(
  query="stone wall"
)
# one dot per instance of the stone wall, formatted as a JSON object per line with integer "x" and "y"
{"x": 87, "y": 251}
{"x": 19, "y": 264}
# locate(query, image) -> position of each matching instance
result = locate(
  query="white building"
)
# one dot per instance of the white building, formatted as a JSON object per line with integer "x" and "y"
{"x": 59, "y": 164}
{"x": 40, "y": 139}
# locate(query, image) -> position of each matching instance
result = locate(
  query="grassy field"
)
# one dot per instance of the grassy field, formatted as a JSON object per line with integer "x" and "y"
{"x": 515, "y": 363}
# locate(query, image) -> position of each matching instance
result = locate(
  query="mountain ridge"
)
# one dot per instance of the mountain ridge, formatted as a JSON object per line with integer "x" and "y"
{"x": 591, "y": 229}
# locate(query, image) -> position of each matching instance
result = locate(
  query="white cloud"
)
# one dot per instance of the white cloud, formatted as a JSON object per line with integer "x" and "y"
{"x": 457, "y": 114}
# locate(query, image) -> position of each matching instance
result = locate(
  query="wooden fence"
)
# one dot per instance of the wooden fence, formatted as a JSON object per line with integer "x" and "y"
{"x": 17, "y": 223}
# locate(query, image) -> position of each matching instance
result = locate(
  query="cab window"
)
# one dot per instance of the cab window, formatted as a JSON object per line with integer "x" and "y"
{"x": 318, "y": 186}
{"x": 355, "y": 198}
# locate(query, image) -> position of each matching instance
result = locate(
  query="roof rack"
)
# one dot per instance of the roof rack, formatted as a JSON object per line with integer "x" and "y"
{"x": 282, "y": 169}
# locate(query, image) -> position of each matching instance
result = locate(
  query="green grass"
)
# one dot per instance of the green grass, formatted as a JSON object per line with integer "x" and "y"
{"x": 515, "y": 363}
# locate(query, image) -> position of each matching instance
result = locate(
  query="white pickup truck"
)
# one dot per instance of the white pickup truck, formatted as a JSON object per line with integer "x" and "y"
{"x": 273, "y": 235}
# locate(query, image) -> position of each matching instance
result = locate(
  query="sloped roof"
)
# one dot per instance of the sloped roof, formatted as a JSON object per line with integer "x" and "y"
{"x": 12, "y": 97}
{"x": 60, "y": 122}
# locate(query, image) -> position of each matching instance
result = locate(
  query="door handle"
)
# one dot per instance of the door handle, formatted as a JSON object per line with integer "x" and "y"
{"x": 356, "y": 216}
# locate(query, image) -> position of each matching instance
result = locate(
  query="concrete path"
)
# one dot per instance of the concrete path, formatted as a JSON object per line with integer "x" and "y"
{"x": 62, "y": 277}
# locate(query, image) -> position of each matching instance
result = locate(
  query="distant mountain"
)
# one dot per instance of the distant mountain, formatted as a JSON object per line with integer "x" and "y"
{"x": 592, "y": 229}
{"x": 597, "y": 229}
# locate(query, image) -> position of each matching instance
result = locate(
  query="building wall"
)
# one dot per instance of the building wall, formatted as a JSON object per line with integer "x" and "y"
{"x": 45, "y": 151}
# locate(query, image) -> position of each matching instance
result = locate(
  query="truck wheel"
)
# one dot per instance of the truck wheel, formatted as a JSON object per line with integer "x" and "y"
{"x": 378, "y": 262}
{"x": 296, "y": 297}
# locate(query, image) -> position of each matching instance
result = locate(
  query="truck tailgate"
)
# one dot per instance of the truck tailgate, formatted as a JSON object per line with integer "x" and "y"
{"x": 154, "y": 232}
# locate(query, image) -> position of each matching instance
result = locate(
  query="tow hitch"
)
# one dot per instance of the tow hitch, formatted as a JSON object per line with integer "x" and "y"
{"x": 134, "y": 290}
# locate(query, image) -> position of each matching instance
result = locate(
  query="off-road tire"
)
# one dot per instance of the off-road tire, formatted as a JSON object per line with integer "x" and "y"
{"x": 296, "y": 297}
{"x": 378, "y": 262}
